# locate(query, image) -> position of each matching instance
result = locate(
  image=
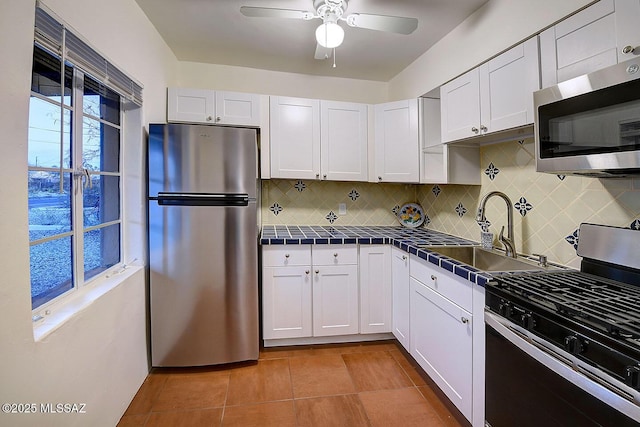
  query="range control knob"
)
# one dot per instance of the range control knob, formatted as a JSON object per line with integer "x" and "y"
{"x": 632, "y": 377}
{"x": 527, "y": 321}
{"x": 574, "y": 345}
{"x": 504, "y": 309}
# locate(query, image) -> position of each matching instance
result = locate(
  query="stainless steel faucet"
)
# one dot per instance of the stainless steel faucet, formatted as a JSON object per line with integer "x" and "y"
{"x": 508, "y": 242}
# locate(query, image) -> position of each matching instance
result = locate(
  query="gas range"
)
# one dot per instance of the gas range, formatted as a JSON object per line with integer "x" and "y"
{"x": 589, "y": 320}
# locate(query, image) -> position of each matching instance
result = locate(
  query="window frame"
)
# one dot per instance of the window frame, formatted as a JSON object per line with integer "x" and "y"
{"x": 75, "y": 169}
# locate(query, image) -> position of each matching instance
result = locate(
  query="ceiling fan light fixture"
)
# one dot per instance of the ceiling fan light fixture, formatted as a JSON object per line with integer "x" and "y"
{"x": 329, "y": 35}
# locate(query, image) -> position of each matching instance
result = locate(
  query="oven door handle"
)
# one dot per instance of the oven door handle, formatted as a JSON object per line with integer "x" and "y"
{"x": 624, "y": 401}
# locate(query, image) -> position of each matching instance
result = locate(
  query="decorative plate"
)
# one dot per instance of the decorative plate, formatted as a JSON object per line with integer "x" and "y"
{"x": 411, "y": 215}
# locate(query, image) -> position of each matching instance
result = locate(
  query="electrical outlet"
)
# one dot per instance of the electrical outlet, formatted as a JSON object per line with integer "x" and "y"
{"x": 342, "y": 209}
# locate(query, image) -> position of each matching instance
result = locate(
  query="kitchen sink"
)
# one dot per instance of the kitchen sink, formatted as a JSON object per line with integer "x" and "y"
{"x": 487, "y": 260}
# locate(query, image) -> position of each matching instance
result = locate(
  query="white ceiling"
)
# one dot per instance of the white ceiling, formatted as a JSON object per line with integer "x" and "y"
{"x": 214, "y": 31}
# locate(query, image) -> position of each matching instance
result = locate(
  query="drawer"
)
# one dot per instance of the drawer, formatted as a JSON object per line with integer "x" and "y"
{"x": 335, "y": 254}
{"x": 284, "y": 255}
{"x": 444, "y": 282}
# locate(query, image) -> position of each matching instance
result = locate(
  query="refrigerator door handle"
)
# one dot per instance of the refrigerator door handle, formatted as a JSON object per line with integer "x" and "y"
{"x": 202, "y": 199}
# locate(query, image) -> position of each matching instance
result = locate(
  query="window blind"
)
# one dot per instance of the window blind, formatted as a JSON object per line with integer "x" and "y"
{"x": 56, "y": 37}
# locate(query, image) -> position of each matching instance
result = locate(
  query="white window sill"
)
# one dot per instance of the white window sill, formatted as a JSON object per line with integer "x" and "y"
{"x": 58, "y": 314}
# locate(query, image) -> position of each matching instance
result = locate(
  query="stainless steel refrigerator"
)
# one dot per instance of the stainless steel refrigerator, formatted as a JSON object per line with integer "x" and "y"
{"x": 203, "y": 237}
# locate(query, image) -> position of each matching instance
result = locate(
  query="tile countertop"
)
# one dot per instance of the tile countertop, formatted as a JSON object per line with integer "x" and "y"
{"x": 406, "y": 239}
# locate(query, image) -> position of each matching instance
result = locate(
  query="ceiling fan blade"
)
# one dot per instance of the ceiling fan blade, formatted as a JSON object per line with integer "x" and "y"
{"x": 268, "y": 12}
{"x": 392, "y": 24}
{"x": 323, "y": 52}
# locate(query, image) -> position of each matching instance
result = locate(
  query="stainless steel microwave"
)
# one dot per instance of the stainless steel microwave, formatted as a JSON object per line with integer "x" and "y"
{"x": 590, "y": 125}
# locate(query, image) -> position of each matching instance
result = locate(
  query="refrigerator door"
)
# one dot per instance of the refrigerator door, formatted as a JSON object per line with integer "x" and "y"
{"x": 202, "y": 159}
{"x": 203, "y": 275}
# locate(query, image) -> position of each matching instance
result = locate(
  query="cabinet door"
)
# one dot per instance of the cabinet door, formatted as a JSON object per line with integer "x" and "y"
{"x": 441, "y": 342}
{"x": 236, "y": 108}
{"x": 580, "y": 44}
{"x": 375, "y": 289}
{"x": 286, "y": 302}
{"x": 460, "y": 107}
{"x": 295, "y": 138}
{"x": 627, "y": 34}
{"x": 190, "y": 105}
{"x": 507, "y": 83}
{"x": 400, "y": 298}
{"x": 344, "y": 141}
{"x": 397, "y": 152}
{"x": 335, "y": 300}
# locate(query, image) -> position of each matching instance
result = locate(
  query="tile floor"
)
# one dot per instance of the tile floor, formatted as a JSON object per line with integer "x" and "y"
{"x": 368, "y": 384}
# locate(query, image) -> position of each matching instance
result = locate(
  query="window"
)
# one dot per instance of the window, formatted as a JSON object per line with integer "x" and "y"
{"x": 74, "y": 155}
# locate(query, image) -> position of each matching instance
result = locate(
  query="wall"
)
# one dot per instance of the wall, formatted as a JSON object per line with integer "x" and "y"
{"x": 309, "y": 202}
{"x": 548, "y": 208}
{"x": 99, "y": 356}
{"x": 241, "y": 79}
{"x": 492, "y": 29}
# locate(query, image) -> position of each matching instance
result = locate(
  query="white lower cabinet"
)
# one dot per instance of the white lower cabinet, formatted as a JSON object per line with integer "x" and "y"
{"x": 309, "y": 291}
{"x": 375, "y": 289}
{"x": 441, "y": 327}
{"x": 400, "y": 287}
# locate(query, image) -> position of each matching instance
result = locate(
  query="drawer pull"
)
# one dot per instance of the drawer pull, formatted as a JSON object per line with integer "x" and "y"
{"x": 464, "y": 320}
{"x": 404, "y": 257}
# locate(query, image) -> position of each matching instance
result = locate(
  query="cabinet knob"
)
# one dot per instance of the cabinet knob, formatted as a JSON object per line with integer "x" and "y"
{"x": 464, "y": 320}
{"x": 433, "y": 277}
{"x": 474, "y": 129}
{"x": 286, "y": 255}
{"x": 628, "y": 49}
{"x": 306, "y": 272}
{"x": 317, "y": 175}
{"x": 483, "y": 128}
{"x": 404, "y": 257}
{"x": 335, "y": 255}
{"x": 379, "y": 178}
{"x": 317, "y": 271}
{"x": 324, "y": 176}
{"x": 209, "y": 118}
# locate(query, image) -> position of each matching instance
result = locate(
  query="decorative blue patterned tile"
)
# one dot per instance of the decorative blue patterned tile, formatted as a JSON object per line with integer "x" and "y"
{"x": 427, "y": 220}
{"x": 396, "y": 209}
{"x": 561, "y": 177}
{"x": 484, "y": 225}
{"x": 521, "y": 142}
{"x": 573, "y": 239}
{"x": 461, "y": 210}
{"x": 353, "y": 194}
{"x": 523, "y": 206}
{"x": 436, "y": 190}
{"x": 635, "y": 225}
{"x": 300, "y": 186}
{"x": 276, "y": 209}
{"x": 331, "y": 217}
{"x": 491, "y": 171}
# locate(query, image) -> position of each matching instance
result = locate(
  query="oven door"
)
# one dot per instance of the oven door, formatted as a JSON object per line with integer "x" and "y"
{"x": 528, "y": 385}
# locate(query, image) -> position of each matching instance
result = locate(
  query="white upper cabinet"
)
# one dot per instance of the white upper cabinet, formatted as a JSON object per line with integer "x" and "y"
{"x": 599, "y": 36}
{"x": 313, "y": 139}
{"x": 397, "y": 145}
{"x": 495, "y": 96}
{"x": 295, "y": 137}
{"x": 213, "y": 107}
{"x": 343, "y": 141}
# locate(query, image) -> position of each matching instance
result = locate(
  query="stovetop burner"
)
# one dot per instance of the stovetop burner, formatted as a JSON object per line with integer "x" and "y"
{"x": 610, "y": 306}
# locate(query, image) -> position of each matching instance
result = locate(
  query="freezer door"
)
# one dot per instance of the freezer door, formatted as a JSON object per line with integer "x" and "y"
{"x": 202, "y": 159}
{"x": 203, "y": 284}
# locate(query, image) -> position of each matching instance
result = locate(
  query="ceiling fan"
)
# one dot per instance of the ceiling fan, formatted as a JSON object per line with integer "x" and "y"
{"x": 330, "y": 34}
